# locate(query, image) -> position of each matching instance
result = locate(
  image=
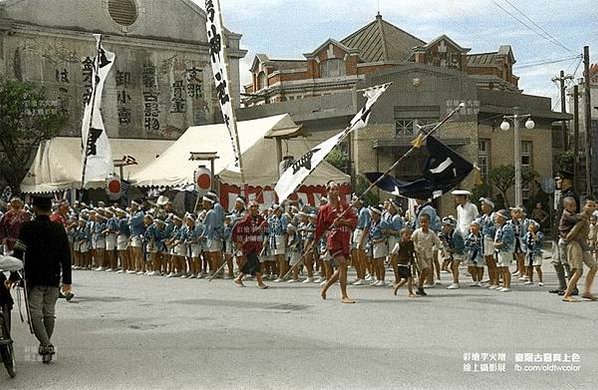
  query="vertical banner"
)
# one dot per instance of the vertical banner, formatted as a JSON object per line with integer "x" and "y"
{"x": 298, "y": 171}
{"x": 97, "y": 154}
{"x": 218, "y": 59}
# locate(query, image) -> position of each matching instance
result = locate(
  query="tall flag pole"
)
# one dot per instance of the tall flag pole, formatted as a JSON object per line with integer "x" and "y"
{"x": 97, "y": 154}
{"x": 218, "y": 56}
{"x": 294, "y": 175}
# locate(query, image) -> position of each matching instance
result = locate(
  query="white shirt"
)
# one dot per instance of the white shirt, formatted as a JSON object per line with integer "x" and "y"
{"x": 465, "y": 216}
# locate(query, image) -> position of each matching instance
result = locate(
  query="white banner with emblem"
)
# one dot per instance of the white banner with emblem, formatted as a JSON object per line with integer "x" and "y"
{"x": 217, "y": 48}
{"x": 300, "y": 169}
{"x": 97, "y": 154}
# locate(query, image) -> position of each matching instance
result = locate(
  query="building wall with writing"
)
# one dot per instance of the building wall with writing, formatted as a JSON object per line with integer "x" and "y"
{"x": 160, "y": 84}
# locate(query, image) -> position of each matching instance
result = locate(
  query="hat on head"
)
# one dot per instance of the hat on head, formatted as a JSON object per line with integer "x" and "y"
{"x": 176, "y": 217}
{"x": 275, "y": 207}
{"x": 101, "y": 204}
{"x": 134, "y": 202}
{"x": 254, "y": 203}
{"x": 565, "y": 174}
{"x": 206, "y": 198}
{"x": 323, "y": 200}
{"x": 487, "y": 201}
{"x": 461, "y": 192}
{"x": 313, "y": 215}
{"x": 190, "y": 216}
{"x": 376, "y": 209}
{"x": 450, "y": 220}
{"x": 476, "y": 222}
{"x": 504, "y": 214}
{"x": 212, "y": 195}
{"x": 241, "y": 199}
{"x": 394, "y": 204}
{"x": 517, "y": 208}
{"x": 162, "y": 200}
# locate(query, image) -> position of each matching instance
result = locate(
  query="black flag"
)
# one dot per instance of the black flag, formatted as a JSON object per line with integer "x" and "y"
{"x": 444, "y": 170}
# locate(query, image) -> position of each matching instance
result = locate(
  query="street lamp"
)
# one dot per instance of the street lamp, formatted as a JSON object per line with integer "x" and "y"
{"x": 505, "y": 126}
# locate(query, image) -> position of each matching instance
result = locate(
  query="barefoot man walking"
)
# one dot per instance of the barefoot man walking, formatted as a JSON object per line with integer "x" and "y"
{"x": 338, "y": 234}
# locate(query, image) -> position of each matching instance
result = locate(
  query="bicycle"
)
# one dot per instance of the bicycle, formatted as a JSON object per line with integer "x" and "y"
{"x": 7, "y": 264}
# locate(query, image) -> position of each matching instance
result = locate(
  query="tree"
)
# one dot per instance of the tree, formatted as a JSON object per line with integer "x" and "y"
{"x": 503, "y": 178}
{"x": 27, "y": 118}
{"x": 338, "y": 158}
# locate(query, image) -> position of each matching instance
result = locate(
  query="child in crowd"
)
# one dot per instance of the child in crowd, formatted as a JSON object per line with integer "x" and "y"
{"x": 425, "y": 241}
{"x": 504, "y": 244}
{"x": 533, "y": 256}
{"x": 294, "y": 247}
{"x": 454, "y": 247}
{"x": 474, "y": 248}
{"x": 404, "y": 251}
{"x": 378, "y": 245}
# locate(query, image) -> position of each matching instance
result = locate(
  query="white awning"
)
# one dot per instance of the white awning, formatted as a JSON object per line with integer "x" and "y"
{"x": 260, "y": 164}
{"x": 57, "y": 164}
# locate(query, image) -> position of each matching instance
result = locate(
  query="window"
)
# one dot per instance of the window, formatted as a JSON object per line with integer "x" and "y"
{"x": 526, "y": 165}
{"x": 262, "y": 81}
{"x": 332, "y": 68}
{"x": 123, "y": 12}
{"x": 484, "y": 158}
{"x": 404, "y": 127}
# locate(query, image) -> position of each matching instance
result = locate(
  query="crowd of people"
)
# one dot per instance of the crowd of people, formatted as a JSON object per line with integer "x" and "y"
{"x": 286, "y": 243}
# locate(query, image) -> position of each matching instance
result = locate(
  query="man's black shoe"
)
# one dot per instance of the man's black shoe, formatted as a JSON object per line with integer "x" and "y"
{"x": 575, "y": 291}
{"x": 561, "y": 292}
{"x": 61, "y": 295}
{"x": 420, "y": 291}
{"x": 555, "y": 290}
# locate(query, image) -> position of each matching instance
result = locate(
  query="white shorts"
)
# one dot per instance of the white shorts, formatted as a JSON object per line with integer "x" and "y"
{"x": 84, "y": 247}
{"x": 151, "y": 248}
{"x": 110, "y": 242}
{"x": 504, "y": 259}
{"x": 479, "y": 264}
{"x": 195, "y": 250}
{"x": 77, "y": 246}
{"x": 380, "y": 250}
{"x": 213, "y": 245}
{"x": 488, "y": 246}
{"x": 180, "y": 250}
{"x": 121, "y": 242}
{"x": 357, "y": 236}
{"x": 136, "y": 241}
{"x": 280, "y": 245}
{"x": 294, "y": 258}
{"x": 100, "y": 243}
{"x": 537, "y": 260}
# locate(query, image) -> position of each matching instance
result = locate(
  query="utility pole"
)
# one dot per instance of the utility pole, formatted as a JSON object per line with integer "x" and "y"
{"x": 576, "y": 137}
{"x": 588, "y": 120}
{"x": 561, "y": 79}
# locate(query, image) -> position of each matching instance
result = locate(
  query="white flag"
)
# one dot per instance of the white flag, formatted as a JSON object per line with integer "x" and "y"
{"x": 97, "y": 154}
{"x": 298, "y": 172}
{"x": 217, "y": 46}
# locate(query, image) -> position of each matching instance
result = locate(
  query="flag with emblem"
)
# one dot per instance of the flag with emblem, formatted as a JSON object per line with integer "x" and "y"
{"x": 218, "y": 59}
{"x": 444, "y": 170}
{"x": 296, "y": 173}
{"x": 97, "y": 154}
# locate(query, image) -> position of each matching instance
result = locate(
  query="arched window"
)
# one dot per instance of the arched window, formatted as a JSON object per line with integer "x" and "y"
{"x": 333, "y": 67}
{"x": 262, "y": 80}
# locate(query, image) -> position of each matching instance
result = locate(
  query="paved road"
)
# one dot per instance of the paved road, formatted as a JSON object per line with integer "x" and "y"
{"x": 134, "y": 332}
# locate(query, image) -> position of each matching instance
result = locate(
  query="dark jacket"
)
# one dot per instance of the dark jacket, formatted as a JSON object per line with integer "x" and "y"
{"x": 44, "y": 248}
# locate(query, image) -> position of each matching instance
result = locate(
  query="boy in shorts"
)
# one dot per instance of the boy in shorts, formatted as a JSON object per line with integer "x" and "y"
{"x": 533, "y": 255}
{"x": 404, "y": 252}
{"x": 504, "y": 244}
{"x": 474, "y": 250}
{"x": 425, "y": 242}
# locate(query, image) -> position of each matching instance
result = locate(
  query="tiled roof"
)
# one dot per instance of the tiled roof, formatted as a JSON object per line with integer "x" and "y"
{"x": 381, "y": 41}
{"x": 287, "y": 64}
{"x": 482, "y": 59}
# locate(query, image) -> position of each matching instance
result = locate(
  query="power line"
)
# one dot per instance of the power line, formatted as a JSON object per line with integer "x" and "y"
{"x": 540, "y": 27}
{"x": 530, "y": 28}
{"x": 544, "y": 62}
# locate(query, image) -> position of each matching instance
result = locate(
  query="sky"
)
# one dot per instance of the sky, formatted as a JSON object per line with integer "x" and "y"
{"x": 545, "y": 31}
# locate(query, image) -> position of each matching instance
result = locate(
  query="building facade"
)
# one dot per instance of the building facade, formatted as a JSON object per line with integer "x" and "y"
{"x": 428, "y": 81}
{"x": 161, "y": 82}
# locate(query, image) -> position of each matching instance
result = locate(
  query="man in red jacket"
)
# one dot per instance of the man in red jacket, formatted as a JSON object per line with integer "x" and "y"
{"x": 247, "y": 235}
{"x": 337, "y": 220}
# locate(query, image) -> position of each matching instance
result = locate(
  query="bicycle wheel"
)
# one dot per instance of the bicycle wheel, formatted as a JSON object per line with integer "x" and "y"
{"x": 6, "y": 350}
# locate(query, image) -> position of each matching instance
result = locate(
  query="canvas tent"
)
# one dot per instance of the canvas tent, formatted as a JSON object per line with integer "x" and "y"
{"x": 260, "y": 165}
{"x": 57, "y": 164}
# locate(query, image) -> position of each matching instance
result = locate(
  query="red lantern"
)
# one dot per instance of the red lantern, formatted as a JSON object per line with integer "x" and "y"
{"x": 113, "y": 187}
{"x": 203, "y": 180}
